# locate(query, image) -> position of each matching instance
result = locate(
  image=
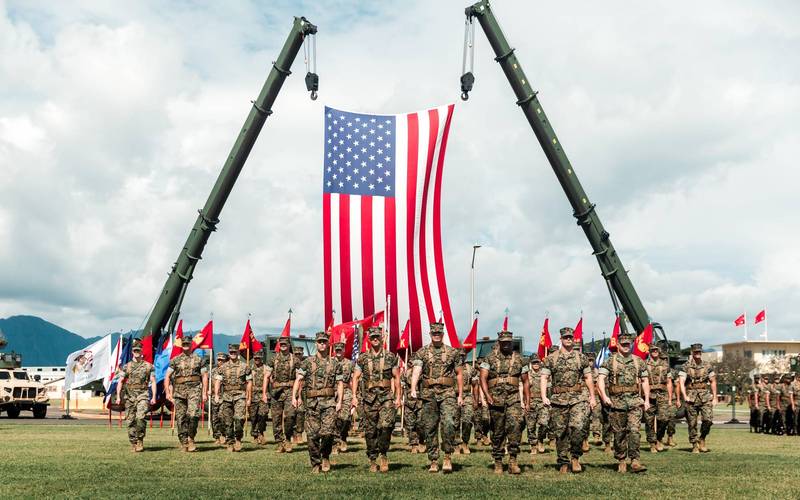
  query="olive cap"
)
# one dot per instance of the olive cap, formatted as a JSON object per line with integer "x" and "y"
{"x": 566, "y": 332}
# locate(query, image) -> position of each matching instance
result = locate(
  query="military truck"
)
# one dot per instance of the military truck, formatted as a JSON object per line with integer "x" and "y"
{"x": 18, "y": 391}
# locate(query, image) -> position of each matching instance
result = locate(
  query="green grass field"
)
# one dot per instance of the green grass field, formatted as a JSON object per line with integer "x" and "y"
{"x": 93, "y": 461}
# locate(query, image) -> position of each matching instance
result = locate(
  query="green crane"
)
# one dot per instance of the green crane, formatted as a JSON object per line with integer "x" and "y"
{"x": 167, "y": 307}
{"x": 623, "y": 294}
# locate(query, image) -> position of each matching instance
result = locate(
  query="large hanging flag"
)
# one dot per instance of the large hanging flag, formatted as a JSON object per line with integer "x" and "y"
{"x": 381, "y": 218}
{"x": 249, "y": 342}
{"x": 740, "y": 321}
{"x": 614, "y": 342}
{"x": 641, "y": 346}
{"x": 287, "y": 328}
{"x": 761, "y": 316}
{"x": 115, "y": 354}
{"x": 472, "y": 337}
{"x": 89, "y": 364}
{"x": 544, "y": 339}
{"x": 125, "y": 356}
{"x": 205, "y": 338}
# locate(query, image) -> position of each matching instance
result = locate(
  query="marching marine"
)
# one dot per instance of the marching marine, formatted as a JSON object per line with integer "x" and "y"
{"x": 699, "y": 390}
{"x": 572, "y": 397}
{"x": 501, "y": 374}
{"x": 659, "y": 377}
{"x": 754, "y": 404}
{"x": 321, "y": 377}
{"x": 382, "y": 396}
{"x": 187, "y": 389}
{"x": 279, "y": 378}
{"x": 344, "y": 415}
{"x": 412, "y": 415}
{"x": 437, "y": 379}
{"x": 300, "y": 411}
{"x": 538, "y": 414}
{"x": 466, "y": 415}
{"x": 217, "y": 426}
{"x": 259, "y": 407}
{"x": 137, "y": 376}
{"x": 232, "y": 389}
{"x": 626, "y": 376}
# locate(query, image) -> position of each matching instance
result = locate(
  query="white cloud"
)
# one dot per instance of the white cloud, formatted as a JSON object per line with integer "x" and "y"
{"x": 115, "y": 123}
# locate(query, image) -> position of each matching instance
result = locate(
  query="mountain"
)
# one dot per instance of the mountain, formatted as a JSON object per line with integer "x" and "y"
{"x": 40, "y": 342}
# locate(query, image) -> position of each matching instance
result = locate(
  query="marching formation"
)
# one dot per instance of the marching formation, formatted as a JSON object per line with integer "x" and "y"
{"x": 440, "y": 398}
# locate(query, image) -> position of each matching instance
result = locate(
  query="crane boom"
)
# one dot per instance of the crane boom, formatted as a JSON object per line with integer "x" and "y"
{"x": 167, "y": 307}
{"x": 584, "y": 210}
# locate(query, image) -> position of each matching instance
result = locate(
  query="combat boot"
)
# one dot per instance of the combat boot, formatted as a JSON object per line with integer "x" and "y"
{"x": 540, "y": 448}
{"x": 563, "y": 469}
{"x": 498, "y": 466}
{"x": 653, "y": 448}
{"x": 670, "y": 441}
{"x": 622, "y": 467}
{"x": 335, "y": 449}
{"x": 576, "y": 465}
{"x": 343, "y": 447}
{"x": 326, "y": 465}
{"x": 384, "y": 463}
{"x": 659, "y": 446}
{"x": 133, "y": 447}
{"x": 637, "y": 466}
{"x": 315, "y": 469}
{"x": 182, "y": 446}
{"x": 533, "y": 449}
{"x": 139, "y": 446}
{"x": 413, "y": 449}
{"x": 457, "y": 449}
{"x": 434, "y": 467}
{"x": 447, "y": 464}
{"x": 280, "y": 448}
{"x": 695, "y": 448}
{"x": 229, "y": 447}
{"x": 465, "y": 449}
{"x": 373, "y": 466}
{"x": 585, "y": 446}
{"x": 190, "y": 446}
{"x": 287, "y": 446}
{"x": 607, "y": 449}
{"x": 513, "y": 467}
{"x": 237, "y": 445}
{"x": 486, "y": 441}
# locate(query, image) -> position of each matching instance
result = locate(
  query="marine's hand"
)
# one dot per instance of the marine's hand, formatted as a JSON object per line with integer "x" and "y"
{"x": 413, "y": 394}
{"x": 118, "y": 400}
{"x": 646, "y": 405}
{"x": 398, "y": 403}
{"x": 592, "y": 402}
{"x": 545, "y": 400}
{"x": 338, "y": 405}
{"x": 460, "y": 401}
{"x": 216, "y": 400}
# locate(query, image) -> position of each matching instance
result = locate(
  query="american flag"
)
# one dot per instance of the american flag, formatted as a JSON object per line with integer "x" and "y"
{"x": 381, "y": 218}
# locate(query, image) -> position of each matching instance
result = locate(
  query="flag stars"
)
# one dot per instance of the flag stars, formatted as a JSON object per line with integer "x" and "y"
{"x": 380, "y": 180}
{"x": 347, "y": 163}
{"x": 349, "y": 178}
{"x": 371, "y": 187}
{"x": 341, "y": 170}
{"x": 341, "y": 184}
{"x": 387, "y": 187}
{"x": 372, "y": 144}
{"x": 380, "y": 138}
{"x": 349, "y": 149}
{"x": 371, "y": 172}
{"x": 355, "y": 185}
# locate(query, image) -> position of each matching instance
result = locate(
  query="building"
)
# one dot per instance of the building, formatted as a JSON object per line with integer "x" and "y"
{"x": 762, "y": 351}
{"x": 53, "y": 379}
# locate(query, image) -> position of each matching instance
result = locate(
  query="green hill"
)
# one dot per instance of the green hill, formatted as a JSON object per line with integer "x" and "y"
{"x": 40, "y": 342}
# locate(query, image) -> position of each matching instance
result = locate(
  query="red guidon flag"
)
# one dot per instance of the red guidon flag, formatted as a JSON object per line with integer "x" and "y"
{"x": 505, "y": 323}
{"x": 740, "y": 320}
{"x": 177, "y": 344}
{"x": 404, "y": 341}
{"x": 287, "y": 329}
{"x": 472, "y": 337}
{"x": 381, "y": 218}
{"x": 614, "y": 342}
{"x": 761, "y": 316}
{"x": 577, "y": 336}
{"x": 544, "y": 339}
{"x": 350, "y": 329}
{"x": 641, "y": 346}
{"x": 205, "y": 338}
{"x": 249, "y": 342}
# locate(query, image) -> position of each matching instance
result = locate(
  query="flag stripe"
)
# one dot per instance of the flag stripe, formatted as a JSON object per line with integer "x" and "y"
{"x": 344, "y": 256}
{"x": 433, "y": 130}
{"x": 390, "y": 266}
{"x": 411, "y": 226}
{"x": 368, "y": 297}
{"x": 356, "y": 298}
{"x": 336, "y": 281}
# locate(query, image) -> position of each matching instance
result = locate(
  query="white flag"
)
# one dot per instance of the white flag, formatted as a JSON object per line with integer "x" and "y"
{"x": 88, "y": 364}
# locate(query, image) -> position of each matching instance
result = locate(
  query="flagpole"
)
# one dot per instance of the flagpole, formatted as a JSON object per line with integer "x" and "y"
{"x": 475, "y": 247}
{"x": 745, "y": 325}
{"x": 209, "y": 396}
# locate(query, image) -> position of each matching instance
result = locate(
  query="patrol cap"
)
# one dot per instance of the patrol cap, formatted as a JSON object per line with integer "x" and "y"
{"x": 258, "y": 355}
{"x": 552, "y": 349}
{"x": 437, "y": 328}
{"x": 566, "y": 332}
{"x": 221, "y": 356}
{"x": 375, "y": 331}
{"x": 697, "y": 347}
{"x": 186, "y": 341}
{"x": 137, "y": 345}
{"x": 321, "y": 337}
{"x": 625, "y": 338}
{"x": 535, "y": 358}
{"x": 339, "y": 346}
{"x": 655, "y": 347}
{"x": 283, "y": 340}
{"x": 233, "y": 348}
{"x": 505, "y": 336}
{"x": 297, "y": 349}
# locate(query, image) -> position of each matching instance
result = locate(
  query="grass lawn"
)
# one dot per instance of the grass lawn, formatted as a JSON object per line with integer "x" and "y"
{"x": 93, "y": 461}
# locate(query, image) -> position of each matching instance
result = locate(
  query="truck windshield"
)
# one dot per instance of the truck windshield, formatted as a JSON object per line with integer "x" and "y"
{"x": 20, "y": 375}
{"x": 4, "y": 376}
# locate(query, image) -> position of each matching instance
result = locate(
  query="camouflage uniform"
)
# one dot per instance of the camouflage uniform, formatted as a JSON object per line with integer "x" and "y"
{"x": 659, "y": 375}
{"x": 786, "y": 414}
{"x": 755, "y": 407}
{"x": 697, "y": 377}
{"x": 343, "y": 417}
{"x": 234, "y": 377}
{"x": 281, "y": 370}
{"x": 439, "y": 393}
{"x": 376, "y": 370}
{"x": 481, "y": 418}
{"x": 796, "y": 391}
{"x": 300, "y": 411}
{"x": 624, "y": 373}
{"x": 217, "y": 425}
{"x": 673, "y": 412}
{"x": 538, "y": 414}
{"x": 569, "y": 407}
{"x": 503, "y": 373}
{"x": 412, "y": 414}
{"x": 769, "y": 405}
{"x": 321, "y": 375}
{"x": 186, "y": 376}
{"x": 136, "y": 376}
{"x": 259, "y": 410}
{"x": 466, "y": 415}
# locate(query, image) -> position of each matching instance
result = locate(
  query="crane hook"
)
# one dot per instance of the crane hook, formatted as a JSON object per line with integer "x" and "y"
{"x": 464, "y": 96}
{"x": 313, "y": 95}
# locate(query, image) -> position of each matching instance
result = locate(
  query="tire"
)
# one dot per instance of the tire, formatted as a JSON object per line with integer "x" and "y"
{"x": 13, "y": 412}
{"x": 39, "y": 411}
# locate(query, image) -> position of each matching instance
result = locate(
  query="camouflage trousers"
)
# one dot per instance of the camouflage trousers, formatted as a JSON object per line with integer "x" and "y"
{"x": 412, "y": 421}
{"x": 788, "y": 421}
{"x": 567, "y": 423}
{"x": 673, "y": 412}
{"x": 536, "y": 420}
{"x": 439, "y": 409}
{"x": 258, "y": 412}
{"x": 320, "y": 422}
{"x": 755, "y": 419}
{"x": 379, "y": 424}
{"x": 766, "y": 421}
{"x": 657, "y": 417}
{"x": 481, "y": 421}
{"x": 506, "y": 425}
{"x": 705, "y": 412}
{"x": 283, "y": 417}
{"x": 232, "y": 410}
{"x": 596, "y": 425}
{"x": 343, "y": 417}
{"x": 187, "y": 411}
{"x": 466, "y": 417}
{"x": 136, "y": 408}
{"x": 625, "y": 426}
{"x": 217, "y": 426}
{"x": 300, "y": 419}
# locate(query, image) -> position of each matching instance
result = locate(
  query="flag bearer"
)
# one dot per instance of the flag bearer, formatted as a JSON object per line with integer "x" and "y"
{"x": 217, "y": 425}
{"x": 343, "y": 416}
{"x": 659, "y": 377}
{"x": 280, "y": 375}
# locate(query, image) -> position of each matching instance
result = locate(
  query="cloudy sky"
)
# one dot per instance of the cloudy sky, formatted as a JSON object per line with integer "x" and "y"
{"x": 680, "y": 120}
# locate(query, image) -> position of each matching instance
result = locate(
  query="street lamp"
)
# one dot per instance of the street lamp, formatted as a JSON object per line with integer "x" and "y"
{"x": 472, "y": 311}
{"x": 733, "y": 419}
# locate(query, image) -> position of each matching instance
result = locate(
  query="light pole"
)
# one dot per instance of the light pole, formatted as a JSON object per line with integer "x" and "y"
{"x": 472, "y": 311}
